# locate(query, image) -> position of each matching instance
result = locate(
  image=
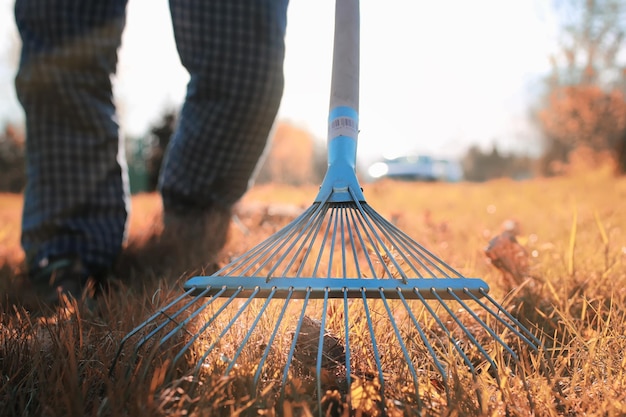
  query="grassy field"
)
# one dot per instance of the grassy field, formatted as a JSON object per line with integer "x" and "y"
{"x": 571, "y": 294}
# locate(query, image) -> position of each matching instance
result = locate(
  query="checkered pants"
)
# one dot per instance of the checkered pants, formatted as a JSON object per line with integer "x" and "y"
{"x": 76, "y": 198}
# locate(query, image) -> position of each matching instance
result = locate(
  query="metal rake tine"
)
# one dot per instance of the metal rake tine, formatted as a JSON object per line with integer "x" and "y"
{"x": 346, "y": 323}
{"x": 312, "y": 217}
{"x": 535, "y": 348}
{"x": 170, "y": 319}
{"x": 320, "y": 352}
{"x": 345, "y": 228}
{"x": 261, "y": 249}
{"x": 357, "y": 231}
{"x": 311, "y": 235}
{"x": 155, "y": 316}
{"x": 355, "y": 256}
{"x": 317, "y": 223}
{"x": 301, "y": 231}
{"x": 535, "y": 344}
{"x": 395, "y": 236}
{"x": 363, "y": 220}
{"x": 204, "y": 326}
{"x": 362, "y": 209}
{"x": 321, "y": 252}
{"x": 487, "y": 328}
{"x": 420, "y": 250}
{"x": 474, "y": 342}
{"x": 515, "y": 356}
{"x": 379, "y": 241}
{"x": 331, "y": 252}
{"x": 239, "y": 262}
{"x": 333, "y": 238}
{"x": 250, "y": 330}
{"x": 201, "y": 295}
{"x": 405, "y": 352}
{"x": 266, "y": 352}
{"x": 137, "y": 329}
{"x": 292, "y": 349}
{"x": 379, "y": 367}
{"x": 385, "y": 228}
{"x": 443, "y": 327}
{"x": 225, "y": 329}
{"x": 465, "y": 330}
{"x": 342, "y": 228}
{"x": 273, "y": 245}
{"x": 499, "y": 320}
{"x": 424, "y": 339}
{"x": 179, "y": 326}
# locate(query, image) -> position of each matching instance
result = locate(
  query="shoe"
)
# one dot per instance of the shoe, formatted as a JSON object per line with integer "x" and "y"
{"x": 61, "y": 279}
{"x": 183, "y": 245}
{"x": 196, "y": 238}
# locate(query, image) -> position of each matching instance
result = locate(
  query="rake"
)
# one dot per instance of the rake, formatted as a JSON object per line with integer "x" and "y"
{"x": 340, "y": 302}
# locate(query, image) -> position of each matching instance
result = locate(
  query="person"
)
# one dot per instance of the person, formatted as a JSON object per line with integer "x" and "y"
{"x": 76, "y": 201}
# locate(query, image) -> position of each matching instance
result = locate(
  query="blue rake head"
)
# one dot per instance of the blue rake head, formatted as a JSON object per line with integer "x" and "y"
{"x": 345, "y": 300}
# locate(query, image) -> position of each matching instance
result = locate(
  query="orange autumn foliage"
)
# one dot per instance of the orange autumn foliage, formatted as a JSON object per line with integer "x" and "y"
{"x": 290, "y": 158}
{"x": 584, "y": 115}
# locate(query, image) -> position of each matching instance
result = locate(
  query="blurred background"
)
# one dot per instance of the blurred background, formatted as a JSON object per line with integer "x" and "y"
{"x": 450, "y": 91}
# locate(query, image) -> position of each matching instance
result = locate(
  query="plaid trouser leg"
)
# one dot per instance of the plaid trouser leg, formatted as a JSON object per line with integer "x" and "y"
{"x": 76, "y": 197}
{"x": 234, "y": 52}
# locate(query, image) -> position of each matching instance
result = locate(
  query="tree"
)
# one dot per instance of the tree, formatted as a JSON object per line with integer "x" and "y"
{"x": 591, "y": 39}
{"x": 12, "y": 162}
{"x": 482, "y": 166}
{"x": 584, "y": 116}
{"x": 585, "y": 104}
{"x": 160, "y": 136}
{"x": 293, "y": 158}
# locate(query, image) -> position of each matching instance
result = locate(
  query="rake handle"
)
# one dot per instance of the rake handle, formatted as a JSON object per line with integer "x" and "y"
{"x": 344, "y": 88}
{"x": 340, "y": 183}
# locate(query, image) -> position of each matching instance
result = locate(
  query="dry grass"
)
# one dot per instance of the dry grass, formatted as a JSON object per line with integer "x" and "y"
{"x": 57, "y": 363}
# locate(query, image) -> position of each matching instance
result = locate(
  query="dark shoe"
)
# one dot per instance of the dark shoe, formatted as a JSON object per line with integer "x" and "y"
{"x": 182, "y": 245}
{"x": 62, "y": 279}
{"x": 196, "y": 238}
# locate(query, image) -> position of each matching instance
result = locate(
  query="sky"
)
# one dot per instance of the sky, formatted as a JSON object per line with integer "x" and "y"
{"x": 436, "y": 76}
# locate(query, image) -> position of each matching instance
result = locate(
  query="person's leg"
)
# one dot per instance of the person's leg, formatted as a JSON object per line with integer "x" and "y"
{"x": 75, "y": 203}
{"x": 234, "y": 52}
